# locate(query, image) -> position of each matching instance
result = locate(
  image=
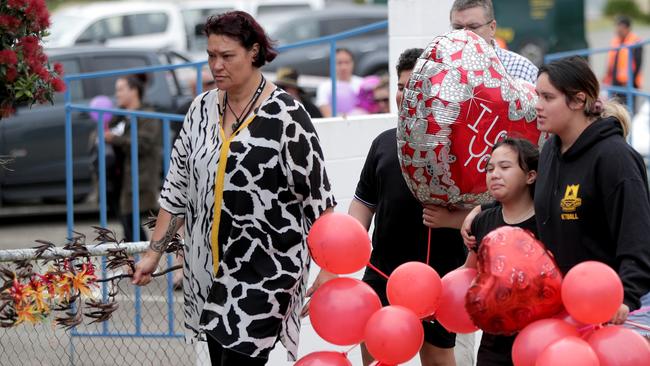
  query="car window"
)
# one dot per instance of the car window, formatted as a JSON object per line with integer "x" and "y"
{"x": 297, "y": 31}
{"x": 333, "y": 26}
{"x": 103, "y": 29}
{"x": 268, "y": 9}
{"x": 106, "y": 86}
{"x": 70, "y": 67}
{"x": 148, "y": 23}
{"x": 193, "y": 18}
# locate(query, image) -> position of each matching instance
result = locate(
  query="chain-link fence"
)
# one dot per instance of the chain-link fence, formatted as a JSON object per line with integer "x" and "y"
{"x": 146, "y": 329}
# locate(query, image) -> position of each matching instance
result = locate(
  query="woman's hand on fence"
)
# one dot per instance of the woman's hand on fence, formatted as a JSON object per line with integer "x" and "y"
{"x": 146, "y": 267}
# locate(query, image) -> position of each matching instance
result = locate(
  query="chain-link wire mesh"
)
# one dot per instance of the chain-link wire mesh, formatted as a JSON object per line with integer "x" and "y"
{"x": 146, "y": 329}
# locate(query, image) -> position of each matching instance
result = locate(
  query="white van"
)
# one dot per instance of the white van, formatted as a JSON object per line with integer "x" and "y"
{"x": 148, "y": 24}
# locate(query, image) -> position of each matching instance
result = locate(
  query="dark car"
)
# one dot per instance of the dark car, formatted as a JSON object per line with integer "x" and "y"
{"x": 370, "y": 49}
{"x": 33, "y": 139}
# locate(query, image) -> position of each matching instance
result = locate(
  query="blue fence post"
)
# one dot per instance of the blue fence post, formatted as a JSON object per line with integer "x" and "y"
{"x": 166, "y": 136}
{"x": 629, "y": 97}
{"x": 135, "y": 213}
{"x": 333, "y": 75}
{"x": 170, "y": 297}
{"x": 103, "y": 214}
{"x": 69, "y": 195}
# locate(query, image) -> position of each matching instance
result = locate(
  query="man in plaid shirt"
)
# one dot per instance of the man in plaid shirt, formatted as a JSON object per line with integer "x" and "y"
{"x": 478, "y": 16}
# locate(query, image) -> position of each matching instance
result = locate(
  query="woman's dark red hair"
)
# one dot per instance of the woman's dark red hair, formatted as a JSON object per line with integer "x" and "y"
{"x": 243, "y": 27}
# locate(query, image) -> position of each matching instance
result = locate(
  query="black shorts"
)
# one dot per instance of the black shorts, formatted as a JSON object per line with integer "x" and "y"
{"x": 434, "y": 333}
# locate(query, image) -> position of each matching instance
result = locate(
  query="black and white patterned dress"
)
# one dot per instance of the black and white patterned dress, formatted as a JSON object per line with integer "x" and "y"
{"x": 270, "y": 184}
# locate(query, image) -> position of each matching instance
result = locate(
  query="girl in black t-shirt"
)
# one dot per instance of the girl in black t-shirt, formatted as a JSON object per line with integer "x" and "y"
{"x": 511, "y": 174}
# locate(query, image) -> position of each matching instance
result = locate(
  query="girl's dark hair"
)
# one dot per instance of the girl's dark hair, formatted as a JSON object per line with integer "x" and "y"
{"x": 243, "y": 27}
{"x": 527, "y": 155}
{"x": 572, "y": 75}
{"x": 137, "y": 82}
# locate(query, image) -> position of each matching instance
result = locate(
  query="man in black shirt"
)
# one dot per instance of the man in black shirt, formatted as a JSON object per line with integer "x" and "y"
{"x": 399, "y": 235}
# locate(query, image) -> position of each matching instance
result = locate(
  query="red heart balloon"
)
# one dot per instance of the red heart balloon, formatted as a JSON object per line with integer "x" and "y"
{"x": 458, "y": 103}
{"x": 518, "y": 282}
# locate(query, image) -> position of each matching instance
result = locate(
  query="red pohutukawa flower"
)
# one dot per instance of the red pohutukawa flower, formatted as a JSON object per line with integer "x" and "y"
{"x": 28, "y": 77}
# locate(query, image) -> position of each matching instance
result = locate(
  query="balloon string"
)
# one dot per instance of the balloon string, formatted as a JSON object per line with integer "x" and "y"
{"x": 587, "y": 327}
{"x": 642, "y": 310}
{"x": 640, "y": 326}
{"x": 377, "y": 270}
{"x": 350, "y": 350}
{"x": 429, "y": 246}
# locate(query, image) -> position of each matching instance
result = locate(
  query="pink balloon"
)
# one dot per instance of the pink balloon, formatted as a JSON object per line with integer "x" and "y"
{"x": 339, "y": 243}
{"x": 324, "y": 358}
{"x": 394, "y": 335}
{"x": 340, "y": 309}
{"x": 101, "y": 101}
{"x": 415, "y": 286}
{"x": 592, "y": 292}
{"x": 533, "y": 339}
{"x": 451, "y": 312}
{"x": 346, "y": 97}
{"x": 618, "y": 346}
{"x": 568, "y": 351}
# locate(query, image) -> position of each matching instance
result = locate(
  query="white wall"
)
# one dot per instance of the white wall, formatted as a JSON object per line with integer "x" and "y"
{"x": 413, "y": 23}
{"x": 345, "y": 143}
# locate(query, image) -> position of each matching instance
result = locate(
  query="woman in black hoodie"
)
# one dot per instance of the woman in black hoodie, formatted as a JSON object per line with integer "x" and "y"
{"x": 591, "y": 197}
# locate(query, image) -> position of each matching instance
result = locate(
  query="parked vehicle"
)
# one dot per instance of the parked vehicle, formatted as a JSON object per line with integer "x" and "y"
{"x": 34, "y": 137}
{"x": 161, "y": 25}
{"x": 124, "y": 24}
{"x": 370, "y": 49}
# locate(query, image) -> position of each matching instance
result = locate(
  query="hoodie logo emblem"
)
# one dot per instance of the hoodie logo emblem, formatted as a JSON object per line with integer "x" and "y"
{"x": 570, "y": 202}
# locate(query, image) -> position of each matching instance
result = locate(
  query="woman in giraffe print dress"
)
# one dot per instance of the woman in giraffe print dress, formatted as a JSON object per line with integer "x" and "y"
{"x": 247, "y": 179}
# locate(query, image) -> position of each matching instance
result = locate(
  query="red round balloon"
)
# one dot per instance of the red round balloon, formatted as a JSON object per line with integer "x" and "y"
{"x": 340, "y": 309}
{"x": 531, "y": 341}
{"x": 618, "y": 346}
{"x": 324, "y": 358}
{"x": 568, "y": 351}
{"x": 451, "y": 312}
{"x": 460, "y": 101}
{"x": 592, "y": 292}
{"x": 394, "y": 335}
{"x": 518, "y": 282}
{"x": 415, "y": 286}
{"x": 338, "y": 243}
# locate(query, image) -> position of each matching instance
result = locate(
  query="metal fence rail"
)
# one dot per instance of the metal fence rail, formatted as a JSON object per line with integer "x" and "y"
{"x": 146, "y": 329}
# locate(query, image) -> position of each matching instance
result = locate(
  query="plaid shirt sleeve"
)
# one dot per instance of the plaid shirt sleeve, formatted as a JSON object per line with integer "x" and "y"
{"x": 517, "y": 65}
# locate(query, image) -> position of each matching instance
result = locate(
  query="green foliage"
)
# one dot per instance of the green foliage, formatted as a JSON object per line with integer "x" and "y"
{"x": 26, "y": 76}
{"x": 623, "y": 7}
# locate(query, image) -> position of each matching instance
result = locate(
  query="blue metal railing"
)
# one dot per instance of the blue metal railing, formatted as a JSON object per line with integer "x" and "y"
{"x": 166, "y": 119}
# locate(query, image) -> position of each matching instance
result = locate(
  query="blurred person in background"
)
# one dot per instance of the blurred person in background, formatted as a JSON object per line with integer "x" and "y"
{"x": 344, "y": 75}
{"x": 381, "y": 96}
{"x": 618, "y": 61}
{"x": 129, "y": 93}
{"x": 365, "y": 102}
{"x": 246, "y": 180}
{"x": 287, "y": 79}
